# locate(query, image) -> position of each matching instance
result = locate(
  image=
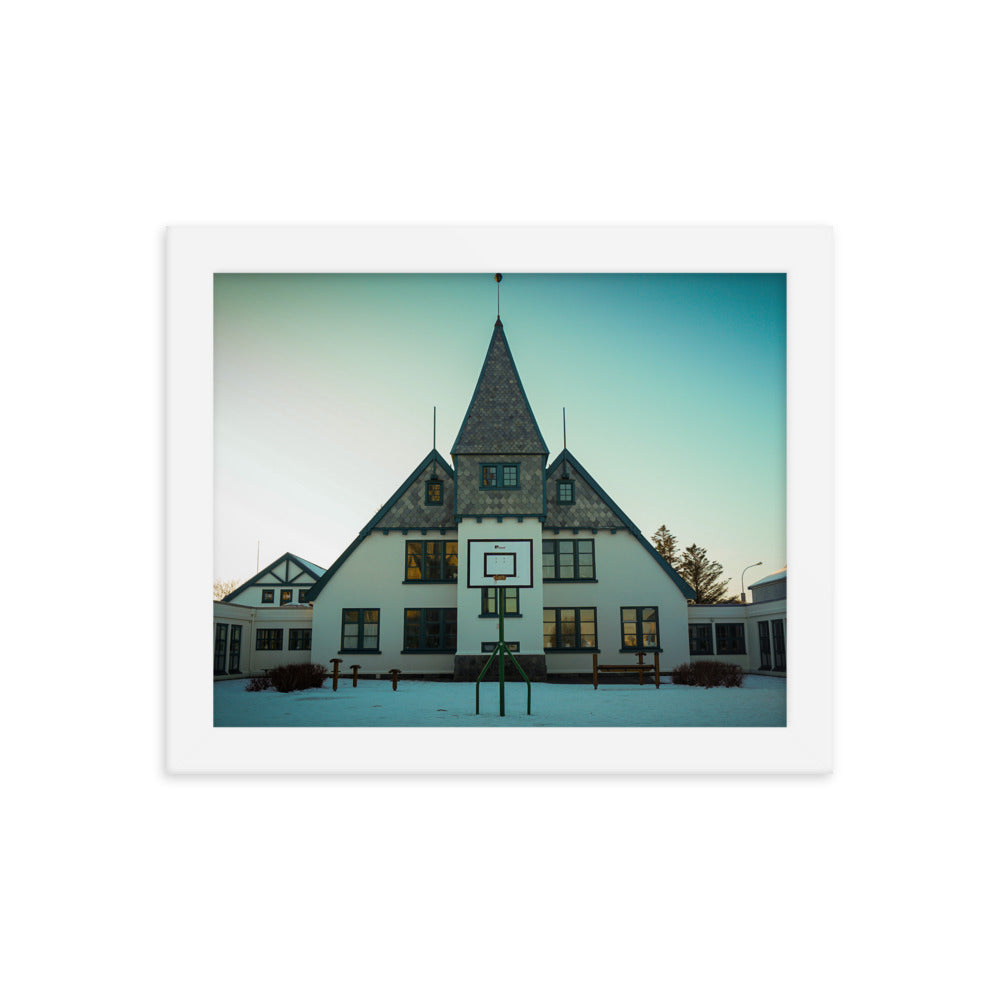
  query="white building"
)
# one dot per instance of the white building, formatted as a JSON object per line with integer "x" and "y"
{"x": 400, "y": 596}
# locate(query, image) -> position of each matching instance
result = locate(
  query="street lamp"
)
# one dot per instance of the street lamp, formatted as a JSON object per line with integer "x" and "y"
{"x": 743, "y": 596}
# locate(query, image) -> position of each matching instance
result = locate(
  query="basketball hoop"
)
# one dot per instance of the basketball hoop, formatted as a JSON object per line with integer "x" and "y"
{"x": 499, "y": 579}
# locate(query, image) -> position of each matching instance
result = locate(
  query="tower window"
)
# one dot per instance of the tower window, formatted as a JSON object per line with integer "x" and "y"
{"x": 499, "y": 477}
{"x": 433, "y": 496}
{"x": 565, "y": 491}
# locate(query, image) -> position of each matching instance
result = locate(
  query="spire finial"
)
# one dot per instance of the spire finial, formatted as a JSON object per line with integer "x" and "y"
{"x": 498, "y": 278}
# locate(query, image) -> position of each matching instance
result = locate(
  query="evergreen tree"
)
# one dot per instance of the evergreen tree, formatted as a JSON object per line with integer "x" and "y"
{"x": 665, "y": 543}
{"x": 703, "y": 575}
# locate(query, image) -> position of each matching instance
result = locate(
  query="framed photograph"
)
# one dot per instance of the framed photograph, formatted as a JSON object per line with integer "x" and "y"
{"x": 626, "y": 435}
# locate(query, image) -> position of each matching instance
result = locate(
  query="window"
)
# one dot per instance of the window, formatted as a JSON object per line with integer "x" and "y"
{"x": 765, "y": 645}
{"x": 565, "y": 489}
{"x": 220, "y": 648}
{"x": 235, "y": 642}
{"x": 640, "y": 629}
{"x": 778, "y": 625}
{"x": 286, "y": 597}
{"x": 572, "y": 559}
{"x": 569, "y": 628}
{"x": 270, "y": 638}
{"x": 431, "y": 562}
{"x": 359, "y": 630}
{"x": 430, "y": 630}
{"x": 303, "y": 594}
{"x": 729, "y": 638}
{"x": 500, "y": 477}
{"x": 488, "y": 647}
{"x": 300, "y": 638}
{"x": 267, "y": 597}
{"x": 700, "y": 640}
{"x": 433, "y": 496}
{"x": 511, "y": 599}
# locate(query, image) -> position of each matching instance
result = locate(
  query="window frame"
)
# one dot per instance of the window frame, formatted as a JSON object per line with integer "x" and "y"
{"x": 764, "y": 641}
{"x": 428, "y": 486}
{"x": 266, "y": 637}
{"x": 303, "y": 595}
{"x": 281, "y": 596}
{"x": 707, "y": 636}
{"x": 500, "y": 470}
{"x": 267, "y": 595}
{"x": 423, "y": 543}
{"x": 576, "y": 543}
{"x": 235, "y": 647}
{"x": 221, "y": 644}
{"x": 296, "y": 636}
{"x": 560, "y": 483}
{"x": 488, "y": 592}
{"x": 638, "y": 609}
{"x": 557, "y": 622}
{"x": 361, "y": 612}
{"x": 422, "y": 623}
{"x": 721, "y": 644}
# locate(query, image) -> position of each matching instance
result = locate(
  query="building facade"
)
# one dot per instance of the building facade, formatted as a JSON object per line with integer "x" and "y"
{"x": 402, "y": 594}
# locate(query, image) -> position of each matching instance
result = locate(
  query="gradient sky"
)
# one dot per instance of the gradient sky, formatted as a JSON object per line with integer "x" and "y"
{"x": 325, "y": 384}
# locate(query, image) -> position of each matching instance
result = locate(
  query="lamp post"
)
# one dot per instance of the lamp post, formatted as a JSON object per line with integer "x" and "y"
{"x": 743, "y": 596}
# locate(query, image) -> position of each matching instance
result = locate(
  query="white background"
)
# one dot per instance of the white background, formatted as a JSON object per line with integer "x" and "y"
{"x": 877, "y": 118}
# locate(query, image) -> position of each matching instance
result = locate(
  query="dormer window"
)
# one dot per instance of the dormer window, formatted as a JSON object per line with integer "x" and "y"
{"x": 267, "y": 597}
{"x": 433, "y": 496}
{"x": 500, "y": 477}
{"x": 565, "y": 490}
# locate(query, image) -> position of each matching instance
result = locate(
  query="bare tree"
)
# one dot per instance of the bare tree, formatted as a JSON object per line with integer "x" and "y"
{"x": 222, "y": 588}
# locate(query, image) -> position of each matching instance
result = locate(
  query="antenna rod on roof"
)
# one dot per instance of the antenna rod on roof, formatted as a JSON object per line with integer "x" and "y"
{"x": 258, "y": 555}
{"x": 564, "y": 428}
{"x": 498, "y": 278}
{"x": 435, "y": 439}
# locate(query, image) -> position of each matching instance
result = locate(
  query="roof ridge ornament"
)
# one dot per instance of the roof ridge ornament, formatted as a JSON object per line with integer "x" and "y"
{"x": 498, "y": 277}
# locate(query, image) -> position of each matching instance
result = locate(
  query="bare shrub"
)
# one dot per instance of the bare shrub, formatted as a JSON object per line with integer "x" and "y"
{"x": 709, "y": 673}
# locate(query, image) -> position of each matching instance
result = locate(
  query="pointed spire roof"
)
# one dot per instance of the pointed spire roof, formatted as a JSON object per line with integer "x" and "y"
{"x": 499, "y": 419}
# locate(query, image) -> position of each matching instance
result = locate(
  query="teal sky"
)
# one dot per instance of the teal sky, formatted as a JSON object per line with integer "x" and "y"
{"x": 325, "y": 384}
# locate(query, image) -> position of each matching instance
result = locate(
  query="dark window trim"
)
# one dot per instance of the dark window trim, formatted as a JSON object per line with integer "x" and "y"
{"x": 638, "y": 608}
{"x": 488, "y": 647}
{"x": 235, "y": 647}
{"x": 576, "y": 543}
{"x": 296, "y": 637}
{"x": 423, "y": 543}
{"x": 361, "y": 631}
{"x": 428, "y": 486}
{"x": 221, "y": 641}
{"x": 484, "y": 597}
{"x": 764, "y": 638}
{"x": 560, "y": 483}
{"x": 577, "y": 631}
{"x": 281, "y": 600}
{"x": 499, "y": 470}
{"x": 303, "y": 594}
{"x": 740, "y": 638}
{"x": 423, "y": 647}
{"x": 278, "y": 633}
{"x": 705, "y": 631}
{"x": 267, "y": 596}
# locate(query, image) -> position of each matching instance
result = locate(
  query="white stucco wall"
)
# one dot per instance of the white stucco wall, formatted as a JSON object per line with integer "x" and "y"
{"x": 374, "y": 577}
{"x": 627, "y": 575}
{"x": 474, "y": 630}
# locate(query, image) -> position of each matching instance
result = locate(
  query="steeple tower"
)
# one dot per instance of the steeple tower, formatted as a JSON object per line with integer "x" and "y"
{"x": 499, "y": 453}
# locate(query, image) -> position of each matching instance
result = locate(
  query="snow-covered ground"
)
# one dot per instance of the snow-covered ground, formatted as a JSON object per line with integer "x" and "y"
{"x": 760, "y": 702}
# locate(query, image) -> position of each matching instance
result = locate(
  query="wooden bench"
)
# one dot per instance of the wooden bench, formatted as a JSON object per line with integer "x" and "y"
{"x": 641, "y": 668}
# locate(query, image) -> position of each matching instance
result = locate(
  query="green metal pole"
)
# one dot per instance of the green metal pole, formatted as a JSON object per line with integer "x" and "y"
{"x": 501, "y": 645}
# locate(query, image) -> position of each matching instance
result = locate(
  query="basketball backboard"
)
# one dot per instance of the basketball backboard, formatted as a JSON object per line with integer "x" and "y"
{"x": 507, "y": 557}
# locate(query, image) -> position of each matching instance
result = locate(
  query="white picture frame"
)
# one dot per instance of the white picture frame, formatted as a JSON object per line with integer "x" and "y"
{"x": 195, "y": 254}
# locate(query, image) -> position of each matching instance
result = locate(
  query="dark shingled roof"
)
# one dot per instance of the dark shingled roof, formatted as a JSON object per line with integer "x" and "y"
{"x": 499, "y": 419}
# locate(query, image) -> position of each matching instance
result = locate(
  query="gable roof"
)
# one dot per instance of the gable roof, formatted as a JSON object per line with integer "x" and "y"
{"x": 433, "y": 457}
{"x": 304, "y": 565}
{"x": 566, "y": 456}
{"x": 499, "y": 418}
